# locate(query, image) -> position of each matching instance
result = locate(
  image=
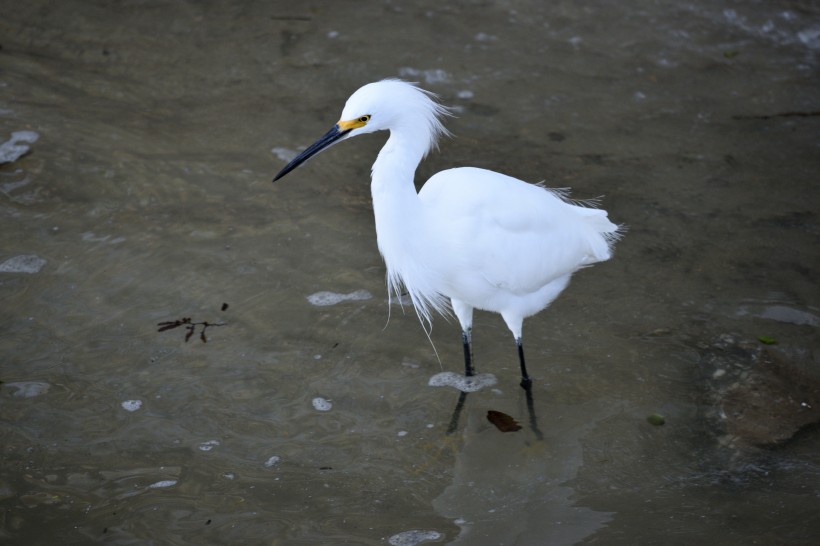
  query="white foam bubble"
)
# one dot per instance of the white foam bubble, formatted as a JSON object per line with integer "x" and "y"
{"x": 273, "y": 461}
{"x": 28, "y": 389}
{"x": 323, "y": 299}
{"x": 131, "y": 405}
{"x": 321, "y": 404}
{"x": 432, "y": 75}
{"x": 413, "y": 537}
{"x": 209, "y": 445}
{"x": 162, "y": 483}
{"x": 810, "y": 37}
{"x": 285, "y": 154}
{"x": 462, "y": 382}
{"x": 12, "y": 150}
{"x": 24, "y": 263}
{"x": 484, "y": 37}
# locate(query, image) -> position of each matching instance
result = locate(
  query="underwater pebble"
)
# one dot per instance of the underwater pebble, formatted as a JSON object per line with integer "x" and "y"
{"x": 163, "y": 483}
{"x": 780, "y": 313}
{"x": 273, "y": 461}
{"x": 131, "y": 405}
{"x": 320, "y": 404}
{"x": 323, "y": 299}
{"x": 411, "y": 538}
{"x": 25, "y": 263}
{"x": 209, "y": 445}
{"x": 28, "y": 389}
{"x": 656, "y": 419}
{"x": 462, "y": 382}
{"x": 401, "y": 433}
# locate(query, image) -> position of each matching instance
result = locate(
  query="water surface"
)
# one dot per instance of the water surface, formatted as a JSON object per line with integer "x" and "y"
{"x": 146, "y": 198}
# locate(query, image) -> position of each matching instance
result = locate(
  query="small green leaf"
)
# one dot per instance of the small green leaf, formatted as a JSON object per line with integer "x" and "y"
{"x": 731, "y": 54}
{"x": 768, "y": 340}
{"x": 656, "y": 419}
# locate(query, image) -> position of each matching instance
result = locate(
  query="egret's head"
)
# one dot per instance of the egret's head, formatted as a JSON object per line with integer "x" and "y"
{"x": 388, "y": 104}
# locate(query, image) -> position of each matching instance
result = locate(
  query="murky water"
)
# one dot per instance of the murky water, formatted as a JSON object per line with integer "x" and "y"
{"x": 146, "y": 198}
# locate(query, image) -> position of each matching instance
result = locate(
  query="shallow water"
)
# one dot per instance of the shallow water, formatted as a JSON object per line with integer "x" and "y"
{"x": 147, "y": 198}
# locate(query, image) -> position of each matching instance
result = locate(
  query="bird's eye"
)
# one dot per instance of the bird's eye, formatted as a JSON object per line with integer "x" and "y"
{"x": 365, "y": 119}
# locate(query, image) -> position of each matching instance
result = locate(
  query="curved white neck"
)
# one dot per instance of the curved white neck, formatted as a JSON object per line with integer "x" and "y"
{"x": 402, "y": 230}
{"x": 396, "y": 205}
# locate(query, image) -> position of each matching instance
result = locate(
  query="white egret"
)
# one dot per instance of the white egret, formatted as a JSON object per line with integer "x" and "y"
{"x": 471, "y": 238}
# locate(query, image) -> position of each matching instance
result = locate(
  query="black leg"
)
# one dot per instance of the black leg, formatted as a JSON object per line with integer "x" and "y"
{"x": 531, "y": 410}
{"x": 525, "y": 378}
{"x": 468, "y": 353}
{"x": 469, "y": 371}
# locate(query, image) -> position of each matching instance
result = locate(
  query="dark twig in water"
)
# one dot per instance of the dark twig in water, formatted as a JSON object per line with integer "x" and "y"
{"x": 190, "y": 326}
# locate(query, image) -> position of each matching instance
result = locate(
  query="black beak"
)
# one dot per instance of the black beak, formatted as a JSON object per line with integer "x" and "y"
{"x": 329, "y": 139}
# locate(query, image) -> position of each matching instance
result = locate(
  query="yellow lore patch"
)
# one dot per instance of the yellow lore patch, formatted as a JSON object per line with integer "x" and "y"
{"x": 353, "y": 124}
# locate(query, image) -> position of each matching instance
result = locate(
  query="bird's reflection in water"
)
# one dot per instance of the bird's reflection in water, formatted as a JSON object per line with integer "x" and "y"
{"x": 462, "y": 397}
{"x": 533, "y": 418}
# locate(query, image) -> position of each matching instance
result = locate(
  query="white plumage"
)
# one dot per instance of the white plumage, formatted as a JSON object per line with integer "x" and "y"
{"x": 471, "y": 238}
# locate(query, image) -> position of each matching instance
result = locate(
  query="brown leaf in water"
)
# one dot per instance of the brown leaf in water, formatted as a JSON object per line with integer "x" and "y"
{"x": 502, "y": 421}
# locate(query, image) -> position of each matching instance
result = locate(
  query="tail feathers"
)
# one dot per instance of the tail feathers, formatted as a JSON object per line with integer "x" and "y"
{"x": 604, "y": 233}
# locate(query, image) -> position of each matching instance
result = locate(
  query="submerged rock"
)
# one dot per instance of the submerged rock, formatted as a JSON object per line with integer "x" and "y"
{"x": 771, "y": 403}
